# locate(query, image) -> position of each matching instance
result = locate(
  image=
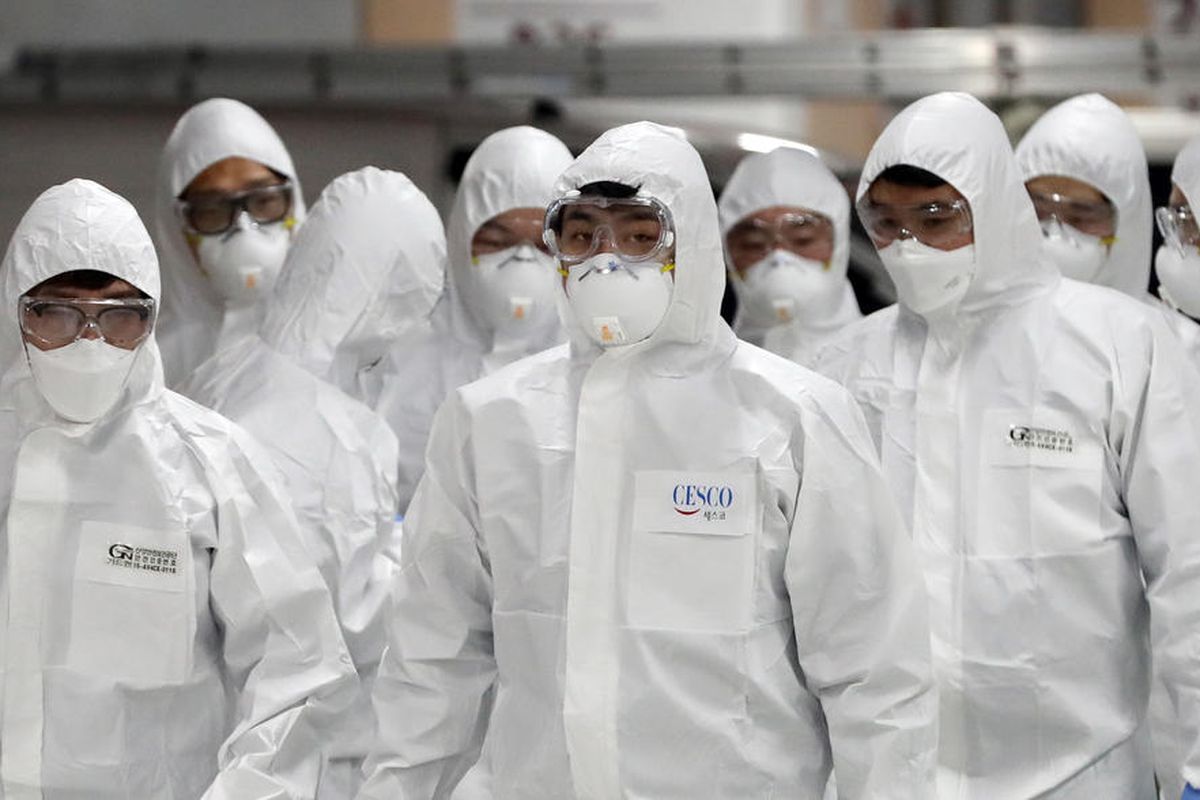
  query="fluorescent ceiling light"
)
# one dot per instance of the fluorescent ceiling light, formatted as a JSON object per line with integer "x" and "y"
{"x": 759, "y": 143}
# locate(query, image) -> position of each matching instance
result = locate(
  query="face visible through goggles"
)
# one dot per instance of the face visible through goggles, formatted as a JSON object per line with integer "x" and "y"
{"x": 56, "y": 322}
{"x": 800, "y": 231}
{"x": 212, "y": 213}
{"x": 510, "y": 229}
{"x": 1095, "y": 217}
{"x": 636, "y": 228}
{"x": 944, "y": 225}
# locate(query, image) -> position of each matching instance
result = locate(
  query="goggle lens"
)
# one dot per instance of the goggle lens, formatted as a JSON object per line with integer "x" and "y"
{"x": 940, "y": 225}
{"x": 637, "y": 229}
{"x": 805, "y": 235}
{"x": 212, "y": 215}
{"x": 56, "y": 323}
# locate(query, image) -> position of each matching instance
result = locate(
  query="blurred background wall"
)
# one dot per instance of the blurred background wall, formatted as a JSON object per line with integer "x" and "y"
{"x": 47, "y": 138}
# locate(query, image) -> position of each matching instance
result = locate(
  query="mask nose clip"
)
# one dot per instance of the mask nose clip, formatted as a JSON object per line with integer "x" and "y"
{"x": 1052, "y": 226}
{"x": 242, "y": 222}
{"x": 92, "y": 324}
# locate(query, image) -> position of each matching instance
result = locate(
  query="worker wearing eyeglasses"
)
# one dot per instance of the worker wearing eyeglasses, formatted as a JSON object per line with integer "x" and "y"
{"x": 229, "y": 202}
{"x": 786, "y": 221}
{"x": 164, "y": 632}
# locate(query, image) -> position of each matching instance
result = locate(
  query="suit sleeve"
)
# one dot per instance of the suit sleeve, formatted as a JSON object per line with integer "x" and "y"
{"x": 860, "y": 614}
{"x": 431, "y": 694}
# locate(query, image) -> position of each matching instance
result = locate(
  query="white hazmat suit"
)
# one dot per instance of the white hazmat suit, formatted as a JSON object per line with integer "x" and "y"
{"x": 1043, "y": 443}
{"x": 367, "y": 264}
{"x": 637, "y": 648}
{"x": 1091, "y": 139}
{"x": 512, "y": 168}
{"x": 791, "y": 177}
{"x": 124, "y": 682}
{"x": 194, "y": 322}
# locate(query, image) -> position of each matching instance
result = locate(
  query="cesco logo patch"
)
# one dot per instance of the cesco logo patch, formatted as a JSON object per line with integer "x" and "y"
{"x": 690, "y": 499}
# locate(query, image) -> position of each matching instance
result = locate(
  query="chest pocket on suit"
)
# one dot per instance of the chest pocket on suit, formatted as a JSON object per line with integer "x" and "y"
{"x": 132, "y": 616}
{"x": 1040, "y": 481}
{"x": 692, "y": 551}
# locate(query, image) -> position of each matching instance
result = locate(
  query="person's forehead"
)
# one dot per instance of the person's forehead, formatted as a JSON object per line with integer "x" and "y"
{"x": 587, "y": 210}
{"x": 774, "y": 214}
{"x": 229, "y": 175}
{"x": 884, "y": 192}
{"x": 1071, "y": 188}
{"x": 118, "y": 289}
{"x": 516, "y": 217}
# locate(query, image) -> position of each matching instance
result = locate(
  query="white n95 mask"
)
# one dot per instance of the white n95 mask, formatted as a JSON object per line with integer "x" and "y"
{"x": 244, "y": 262}
{"x": 517, "y": 287}
{"x": 1179, "y": 276}
{"x": 83, "y": 380}
{"x": 928, "y": 279}
{"x": 1078, "y": 255}
{"x": 785, "y": 286}
{"x": 619, "y": 302}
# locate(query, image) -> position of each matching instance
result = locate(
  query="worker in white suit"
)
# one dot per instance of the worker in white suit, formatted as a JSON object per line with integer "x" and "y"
{"x": 671, "y": 555}
{"x": 228, "y": 204}
{"x": 165, "y": 633}
{"x": 1041, "y": 438}
{"x": 500, "y": 294}
{"x": 786, "y": 221}
{"x": 366, "y": 267}
{"x": 1086, "y": 172}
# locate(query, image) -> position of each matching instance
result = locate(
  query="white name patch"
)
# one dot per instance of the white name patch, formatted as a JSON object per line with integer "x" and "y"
{"x": 704, "y": 503}
{"x": 123, "y": 555}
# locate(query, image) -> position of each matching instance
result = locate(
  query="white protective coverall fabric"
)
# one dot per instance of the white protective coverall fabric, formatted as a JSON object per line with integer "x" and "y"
{"x": 124, "y": 682}
{"x": 372, "y": 235}
{"x": 512, "y": 168}
{"x": 1091, "y": 139}
{"x": 791, "y": 177}
{"x": 1044, "y": 444}
{"x": 192, "y": 323}
{"x": 1169, "y": 751}
{"x": 635, "y": 651}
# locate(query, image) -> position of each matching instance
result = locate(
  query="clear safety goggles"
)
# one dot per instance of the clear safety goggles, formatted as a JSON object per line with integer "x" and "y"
{"x": 807, "y": 235}
{"x": 636, "y": 228}
{"x": 212, "y": 214}
{"x": 941, "y": 225}
{"x": 1177, "y": 224}
{"x": 55, "y": 322}
{"x": 1093, "y": 217}
{"x": 492, "y": 237}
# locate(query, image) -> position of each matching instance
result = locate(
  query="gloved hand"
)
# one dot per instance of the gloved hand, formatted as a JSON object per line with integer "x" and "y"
{"x": 1190, "y": 793}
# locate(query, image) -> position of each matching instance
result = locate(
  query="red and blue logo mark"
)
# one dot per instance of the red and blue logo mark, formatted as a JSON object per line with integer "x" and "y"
{"x": 690, "y": 499}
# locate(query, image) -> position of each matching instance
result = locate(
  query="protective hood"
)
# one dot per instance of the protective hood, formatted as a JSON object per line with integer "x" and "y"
{"x": 209, "y": 132}
{"x": 78, "y": 225}
{"x": 659, "y": 161}
{"x": 512, "y": 168}
{"x": 790, "y": 177}
{"x": 1089, "y": 138}
{"x": 954, "y": 136}
{"x": 367, "y": 265}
